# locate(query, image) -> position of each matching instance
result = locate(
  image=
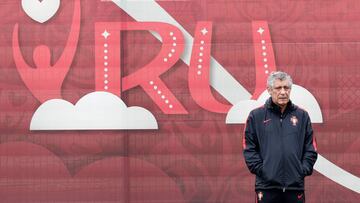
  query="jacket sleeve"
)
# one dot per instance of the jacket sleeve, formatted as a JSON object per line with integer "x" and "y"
{"x": 251, "y": 147}
{"x": 310, "y": 149}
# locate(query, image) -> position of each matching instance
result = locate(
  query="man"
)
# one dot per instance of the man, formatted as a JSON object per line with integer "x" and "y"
{"x": 279, "y": 146}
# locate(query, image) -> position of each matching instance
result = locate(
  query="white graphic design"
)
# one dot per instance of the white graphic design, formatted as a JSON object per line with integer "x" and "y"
{"x": 260, "y": 30}
{"x": 40, "y": 11}
{"x": 94, "y": 111}
{"x": 240, "y": 111}
{"x": 299, "y": 96}
{"x": 220, "y": 79}
{"x": 337, "y": 174}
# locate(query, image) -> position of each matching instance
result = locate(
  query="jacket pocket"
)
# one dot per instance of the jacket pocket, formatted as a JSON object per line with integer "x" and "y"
{"x": 271, "y": 174}
{"x": 263, "y": 174}
{"x": 295, "y": 173}
{"x": 301, "y": 170}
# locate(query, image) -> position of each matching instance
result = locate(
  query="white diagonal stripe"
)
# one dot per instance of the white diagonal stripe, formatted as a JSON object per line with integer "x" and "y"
{"x": 337, "y": 174}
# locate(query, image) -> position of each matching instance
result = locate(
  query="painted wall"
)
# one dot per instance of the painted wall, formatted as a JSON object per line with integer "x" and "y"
{"x": 145, "y": 101}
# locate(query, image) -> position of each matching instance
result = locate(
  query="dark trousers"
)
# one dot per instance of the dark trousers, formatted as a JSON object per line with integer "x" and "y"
{"x": 278, "y": 196}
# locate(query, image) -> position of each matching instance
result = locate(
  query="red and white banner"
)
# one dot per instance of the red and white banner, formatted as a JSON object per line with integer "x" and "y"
{"x": 145, "y": 101}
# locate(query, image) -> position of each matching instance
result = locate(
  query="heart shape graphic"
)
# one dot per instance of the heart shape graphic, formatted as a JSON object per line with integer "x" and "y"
{"x": 40, "y": 11}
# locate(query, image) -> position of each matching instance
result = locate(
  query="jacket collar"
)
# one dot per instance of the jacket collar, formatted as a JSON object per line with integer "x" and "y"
{"x": 269, "y": 104}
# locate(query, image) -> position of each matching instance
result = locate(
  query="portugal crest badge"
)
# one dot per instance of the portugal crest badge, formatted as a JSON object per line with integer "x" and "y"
{"x": 260, "y": 196}
{"x": 294, "y": 120}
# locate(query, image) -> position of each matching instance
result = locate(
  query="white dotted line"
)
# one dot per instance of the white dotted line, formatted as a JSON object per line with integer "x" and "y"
{"x": 173, "y": 49}
{"x": 159, "y": 92}
{"x": 201, "y": 54}
{"x": 106, "y": 63}
{"x": 264, "y": 54}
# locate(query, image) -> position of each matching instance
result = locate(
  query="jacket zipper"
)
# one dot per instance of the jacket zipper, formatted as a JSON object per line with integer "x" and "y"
{"x": 282, "y": 147}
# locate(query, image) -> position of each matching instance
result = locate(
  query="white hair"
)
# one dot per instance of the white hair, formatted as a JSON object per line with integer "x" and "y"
{"x": 278, "y": 75}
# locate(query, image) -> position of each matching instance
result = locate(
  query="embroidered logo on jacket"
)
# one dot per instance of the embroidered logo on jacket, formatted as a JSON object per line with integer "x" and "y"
{"x": 294, "y": 120}
{"x": 260, "y": 196}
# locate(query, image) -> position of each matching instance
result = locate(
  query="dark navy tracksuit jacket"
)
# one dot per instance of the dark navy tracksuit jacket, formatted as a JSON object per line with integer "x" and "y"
{"x": 279, "y": 147}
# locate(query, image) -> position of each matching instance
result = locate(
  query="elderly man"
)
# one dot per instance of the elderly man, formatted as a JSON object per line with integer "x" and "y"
{"x": 279, "y": 146}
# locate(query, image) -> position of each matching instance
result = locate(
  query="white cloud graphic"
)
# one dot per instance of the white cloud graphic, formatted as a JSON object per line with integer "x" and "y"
{"x": 240, "y": 111}
{"x": 299, "y": 96}
{"x": 94, "y": 111}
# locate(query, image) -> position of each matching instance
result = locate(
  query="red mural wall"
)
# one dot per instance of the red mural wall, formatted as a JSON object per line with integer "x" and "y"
{"x": 183, "y": 65}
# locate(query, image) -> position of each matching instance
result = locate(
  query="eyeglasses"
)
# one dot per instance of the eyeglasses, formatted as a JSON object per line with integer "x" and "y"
{"x": 278, "y": 89}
